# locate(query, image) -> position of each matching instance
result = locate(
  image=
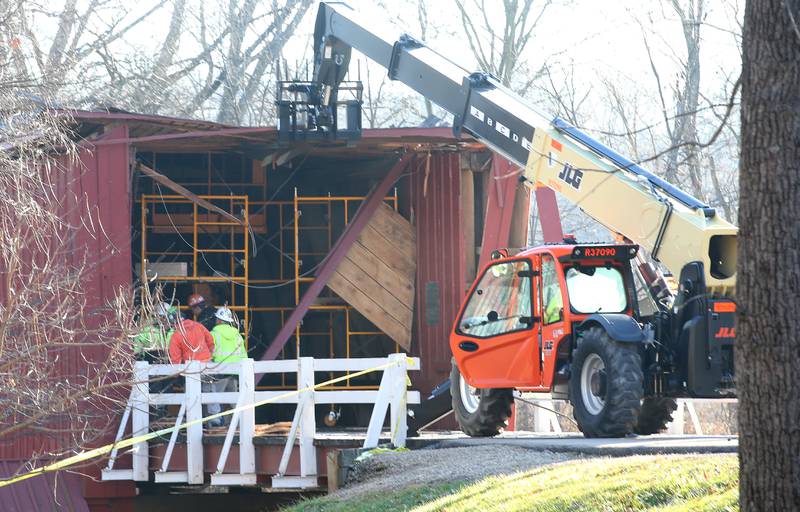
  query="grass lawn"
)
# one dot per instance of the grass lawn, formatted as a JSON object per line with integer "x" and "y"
{"x": 663, "y": 483}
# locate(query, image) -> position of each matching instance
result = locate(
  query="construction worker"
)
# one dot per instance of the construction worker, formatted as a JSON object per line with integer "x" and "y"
{"x": 152, "y": 342}
{"x": 190, "y": 342}
{"x": 228, "y": 342}
{"x": 553, "y": 302}
{"x": 553, "y": 305}
{"x": 203, "y": 312}
{"x": 228, "y": 348}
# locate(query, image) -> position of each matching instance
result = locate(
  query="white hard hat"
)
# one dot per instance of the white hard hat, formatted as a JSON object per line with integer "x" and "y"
{"x": 224, "y": 314}
{"x": 162, "y": 309}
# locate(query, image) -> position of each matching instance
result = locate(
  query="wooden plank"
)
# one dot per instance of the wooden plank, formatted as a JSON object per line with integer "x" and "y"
{"x": 468, "y": 223}
{"x": 229, "y": 479}
{"x": 356, "y": 364}
{"x": 194, "y": 432}
{"x": 388, "y": 220}
{"x": 400, "y": 286}
{"x": 392, "y": 228}
{"x": 157, "y": 176}
{"x": 357, "y": 397}
{"x": 381, "y": 295}
{"x": 332, "y": 460}
{"x": 378, "y": 416}
{"x": 140, "y": 419}
{"x": 247, "y": 419}
{"x": 398, "y": 408}
{"x": 171, "y": 477}
{"x": 308, "y": 425}
{"x": 116, "y": 474}
{"x": 399, "y": 256}
{"x": 372, "y": 310}
{"x": 367, "y": 307}
{"x": 294, "y": 482}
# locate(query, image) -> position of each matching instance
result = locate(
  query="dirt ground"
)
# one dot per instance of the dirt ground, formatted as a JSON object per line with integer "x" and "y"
{"x": 397, "y": 470}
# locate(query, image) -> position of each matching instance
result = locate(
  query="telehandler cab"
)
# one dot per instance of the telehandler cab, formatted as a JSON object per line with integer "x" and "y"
{"x": 559, "y": 319}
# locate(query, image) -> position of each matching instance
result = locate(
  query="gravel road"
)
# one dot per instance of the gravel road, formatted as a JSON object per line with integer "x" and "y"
{"x": 397, "y": 470}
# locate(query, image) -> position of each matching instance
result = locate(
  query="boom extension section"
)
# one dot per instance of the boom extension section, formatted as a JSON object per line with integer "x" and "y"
{"x": 674, "y": 227}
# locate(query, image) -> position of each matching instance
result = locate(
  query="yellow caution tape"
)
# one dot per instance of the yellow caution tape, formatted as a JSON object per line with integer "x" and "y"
{"x": 125, "y": 443}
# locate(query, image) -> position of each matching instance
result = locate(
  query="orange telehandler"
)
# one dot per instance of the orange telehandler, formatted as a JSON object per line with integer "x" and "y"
{"x": 592, "y": 323}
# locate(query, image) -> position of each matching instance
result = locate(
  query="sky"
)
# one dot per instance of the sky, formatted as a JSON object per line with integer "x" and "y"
{"x": 584, "y": 41}
{"x": 594, "y": 39}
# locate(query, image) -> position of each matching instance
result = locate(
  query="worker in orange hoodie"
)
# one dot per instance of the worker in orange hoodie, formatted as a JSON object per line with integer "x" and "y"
{"x": 190, "y": 342}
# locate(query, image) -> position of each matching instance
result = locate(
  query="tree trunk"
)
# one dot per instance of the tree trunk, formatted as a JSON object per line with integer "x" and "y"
{"x": 768, "y": 350}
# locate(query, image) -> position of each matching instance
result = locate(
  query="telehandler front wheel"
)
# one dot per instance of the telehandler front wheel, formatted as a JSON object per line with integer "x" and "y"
{"x": 479, "y": 412}
{"x": 656, "y": 413}
{"x": 605, "y": 387}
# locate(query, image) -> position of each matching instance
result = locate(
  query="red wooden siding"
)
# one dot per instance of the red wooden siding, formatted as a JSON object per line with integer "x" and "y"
{"x": 98, "y": 180}
{"x": 436, "y": 192}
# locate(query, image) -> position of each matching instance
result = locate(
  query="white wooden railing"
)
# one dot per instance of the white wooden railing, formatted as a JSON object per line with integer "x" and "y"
{"x": 392, "y": 396}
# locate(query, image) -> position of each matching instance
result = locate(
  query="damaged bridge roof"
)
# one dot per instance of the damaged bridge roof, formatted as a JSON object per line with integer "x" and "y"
{"x": 170, "y": 134}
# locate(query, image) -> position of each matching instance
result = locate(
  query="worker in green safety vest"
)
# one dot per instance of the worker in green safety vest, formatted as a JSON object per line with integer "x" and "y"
{"x": 152, "y": 342}
{"x": 152, "y": 345}
{"x": 551, "y": 287}
{"x": 228, "y": 348}
{"x": 554, "y": 305}
{"x": 228, "y": 342}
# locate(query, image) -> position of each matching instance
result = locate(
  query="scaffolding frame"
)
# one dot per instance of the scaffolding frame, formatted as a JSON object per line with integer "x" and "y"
{"x": 296, "y": 277}
{"x": 197, "y": 251}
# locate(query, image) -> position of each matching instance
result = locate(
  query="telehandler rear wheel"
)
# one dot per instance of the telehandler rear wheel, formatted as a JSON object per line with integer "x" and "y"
{"x": 479, "y": 412}
{"x": 606, "y": 385}
{"x": 655, "y": 414}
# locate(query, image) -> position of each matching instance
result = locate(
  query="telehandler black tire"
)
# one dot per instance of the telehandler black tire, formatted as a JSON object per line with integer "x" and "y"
{"x": 483, "y": 414}
{"x": 655, "y": 414}
{"x": 605, "y": 387}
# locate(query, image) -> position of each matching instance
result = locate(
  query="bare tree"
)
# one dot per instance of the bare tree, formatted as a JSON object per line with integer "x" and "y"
{"x": 563, "y": 93}
{"x": 498, "y": 46}
{"x": 386, "y": 105}
{"x": 230, "y": 74}
{"x": 682, "y": 128}
{"x": 246, "y": 63}
{"x": 64, "y": 360}
{"x": 81, "y": 32}
{"x": 684, "y": 160}
{"x": 210, "y": 62}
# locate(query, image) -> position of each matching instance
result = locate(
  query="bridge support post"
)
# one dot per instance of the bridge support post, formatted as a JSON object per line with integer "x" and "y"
{"x": 247, "y": 419}
{"x": 308, "y": 424}
{"x": 194, "y": 433}
{"x": 140, "y": 419}
{"x": 399, "y": 399}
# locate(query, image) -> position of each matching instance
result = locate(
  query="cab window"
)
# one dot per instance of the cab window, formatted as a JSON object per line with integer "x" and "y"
{"x": 552, "y": 299}
{"x": 596, "y": 290}
{"x": 501, "y": 303}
